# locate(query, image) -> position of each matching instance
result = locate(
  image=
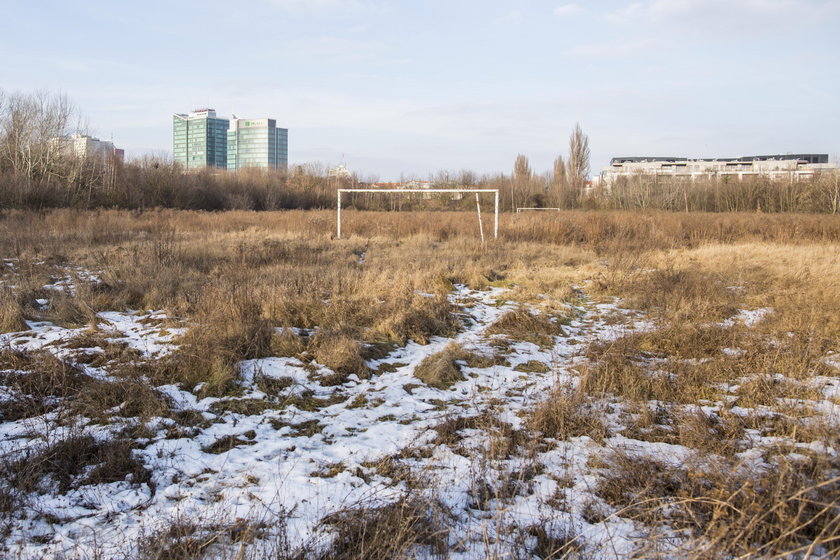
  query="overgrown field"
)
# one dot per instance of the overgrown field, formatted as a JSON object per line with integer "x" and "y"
{"x": 180, "y": 385}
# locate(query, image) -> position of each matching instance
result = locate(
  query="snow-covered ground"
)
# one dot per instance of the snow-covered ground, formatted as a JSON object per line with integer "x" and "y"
{"x": 318, "y": 449}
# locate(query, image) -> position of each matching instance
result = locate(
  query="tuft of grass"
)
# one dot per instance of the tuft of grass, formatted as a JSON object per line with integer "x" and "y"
{"x": 286, "y": 343}
{"x": 246, "y": 407}
{"x": 11, "y": 313}
{"x": 342, "y": 354}
{"x": 78, "y": 460}
{"x": 226, "y": 443}
{"x": 780, "y": 511}
{"x": 273, "y": 386}
{"x": 767, "y": 390}
{"x": 566, "y": 414}
{"x": 417, "y": 319}
{"x": 386, "y": 532}
{"x": 229, "y": 328}
{"x": 128, "y": 398}
{"x": 38, "y": 381}
{"x": 441, "y": 370}
{"x": 197, "y": 540}
{"x": 522, "y": 324}
{"x": 532, "y": 366}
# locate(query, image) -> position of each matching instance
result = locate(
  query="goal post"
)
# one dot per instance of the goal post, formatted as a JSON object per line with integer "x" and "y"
{"x": 407, "y": 191}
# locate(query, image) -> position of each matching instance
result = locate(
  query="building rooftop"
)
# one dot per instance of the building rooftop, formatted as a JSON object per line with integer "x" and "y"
{"x": 810, "y": 158}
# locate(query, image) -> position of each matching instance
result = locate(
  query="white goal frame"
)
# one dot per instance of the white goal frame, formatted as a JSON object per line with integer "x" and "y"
{"x": 450, "y": 191}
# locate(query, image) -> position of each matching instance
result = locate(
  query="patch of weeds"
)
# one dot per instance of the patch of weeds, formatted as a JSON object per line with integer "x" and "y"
{"x": 389, "y": 367}
{"x": 342, "y": 354}
{"x": 553, "y": 545}
{"x": 479, "y": 361}
{"x": 246, "y": 407}
{"x": 566, "y": 414}
{"x": 766, "y": 390}
{"x": 409, "y": 387}
{"x": 307, "y": 401}
{"x": 417, "y": 318}
{"x": 226, "y": 443}
{"x": 11, "y": 313}
{"x": 190, "y": 418}
{"x": 329, "y": 471}
{"x": 532, "y": 366}
{"x": 127, "y": 398}
{"x": 38, "y": 383}
{"x": 302, "y": 429}
{"x": 441, "y": 370}
{"x": 76, "y": 461}
{"x": 286, "y": 344}
{"x": 273, "y": 386}
{"x": 360, "y": 401}
{"x": 377, "y": 350}
{"x": 387, "y": 532}
{"x": 522, "y": 324}
{"x": 772, "y": 512}
{"x": 184, "y": 540}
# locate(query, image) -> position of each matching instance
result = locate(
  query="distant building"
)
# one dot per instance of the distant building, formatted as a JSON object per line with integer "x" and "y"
{"x": 780, "y": 166}
{"x": 340, "y": 172}
{"x": 199, "y": 139}
{"x": 82, "y": 146}
{"x": 257, "y": 143}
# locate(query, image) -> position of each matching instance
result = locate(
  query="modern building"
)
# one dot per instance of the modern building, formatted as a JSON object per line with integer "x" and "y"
{"x": 257, "y": 143}
{"x": 779, "y": 166}
{"x": 199, "y": 139}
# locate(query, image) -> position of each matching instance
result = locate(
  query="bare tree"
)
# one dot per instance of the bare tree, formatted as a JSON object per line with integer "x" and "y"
{"x": 578, "y": 159}
{"x": 521, "y": 179}
{"x": 32, "y": 127}
{"x": 563, "y": 193}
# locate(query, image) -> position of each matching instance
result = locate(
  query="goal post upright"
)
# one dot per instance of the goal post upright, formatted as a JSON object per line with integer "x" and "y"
{"x": 338, "y": 236}
{"x": 496, "y": 216}
{"x": 397, "y": 191}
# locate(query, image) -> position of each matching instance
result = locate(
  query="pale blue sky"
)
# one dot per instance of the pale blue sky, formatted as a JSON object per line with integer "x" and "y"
{"x": 416, "y": 87}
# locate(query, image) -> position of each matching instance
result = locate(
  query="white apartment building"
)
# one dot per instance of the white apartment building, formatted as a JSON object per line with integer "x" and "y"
{"x": 83, "y": 146}
{"x": 779, "y": 166}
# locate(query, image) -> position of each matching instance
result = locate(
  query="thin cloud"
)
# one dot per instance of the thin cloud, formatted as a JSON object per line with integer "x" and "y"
{"x": 342, "y": 50}
{"x": 318, "y": 5}
{"x": 567, "y": 10}
{"x": 612, "y": 49}
{"x": 722, "y": 15}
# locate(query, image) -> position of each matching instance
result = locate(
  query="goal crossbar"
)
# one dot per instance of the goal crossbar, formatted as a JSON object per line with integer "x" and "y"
{"x": 452, "y": 191}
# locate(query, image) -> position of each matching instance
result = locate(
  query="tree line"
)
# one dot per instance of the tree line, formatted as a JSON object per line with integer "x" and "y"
{"x": 37, "y": 173}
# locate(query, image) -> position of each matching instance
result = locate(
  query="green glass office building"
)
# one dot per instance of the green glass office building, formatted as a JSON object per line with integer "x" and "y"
{"x": 257, "y": 143}
{"x": 199, "y": 139}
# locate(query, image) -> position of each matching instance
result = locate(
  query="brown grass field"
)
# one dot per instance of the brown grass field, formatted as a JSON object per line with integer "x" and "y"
{"x": 711, "y": 432}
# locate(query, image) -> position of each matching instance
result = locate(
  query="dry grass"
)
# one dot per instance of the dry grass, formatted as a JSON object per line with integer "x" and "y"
{"x": 784, "y": 509}
{"x": 77, "y": 460}
{"x": 342, "y": 354}
{"x": 11, "y": 314}
{"x": 443, "y": 369}
{"x": 387, "y": 532}
{"x": 195, "y": 540}
{"x": 566, "y": 414}
{"x": 235, "y": 278}
{"x": 522, "y": 324}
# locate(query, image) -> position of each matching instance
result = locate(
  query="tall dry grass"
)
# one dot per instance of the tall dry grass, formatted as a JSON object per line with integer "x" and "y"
{"x": 241, "y": 280}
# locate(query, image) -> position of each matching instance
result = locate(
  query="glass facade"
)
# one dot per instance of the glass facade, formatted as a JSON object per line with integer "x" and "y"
{"x": 257, "y": 143}
{"x": 199, "y": 140}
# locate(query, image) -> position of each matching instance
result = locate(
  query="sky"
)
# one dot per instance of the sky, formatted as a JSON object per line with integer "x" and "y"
{"x": 409, "y": 88}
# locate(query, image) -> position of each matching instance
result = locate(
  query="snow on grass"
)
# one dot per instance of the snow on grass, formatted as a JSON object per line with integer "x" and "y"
{"x": 311, "y": 450}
